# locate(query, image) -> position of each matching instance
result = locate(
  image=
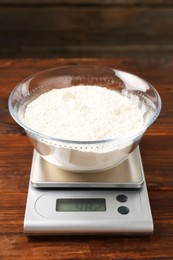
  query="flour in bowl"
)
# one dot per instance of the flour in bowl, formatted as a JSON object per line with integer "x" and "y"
{"x": 84, "y": 113}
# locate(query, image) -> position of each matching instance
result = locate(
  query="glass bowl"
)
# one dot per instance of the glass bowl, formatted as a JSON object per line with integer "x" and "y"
{"x": 76, "y": 155}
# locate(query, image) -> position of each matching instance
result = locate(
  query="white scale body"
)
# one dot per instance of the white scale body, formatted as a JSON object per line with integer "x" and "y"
{"x": 110, "y": 202}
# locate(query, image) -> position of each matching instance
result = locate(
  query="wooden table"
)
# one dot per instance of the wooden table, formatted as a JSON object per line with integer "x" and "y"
{"x": 15, "y": 161}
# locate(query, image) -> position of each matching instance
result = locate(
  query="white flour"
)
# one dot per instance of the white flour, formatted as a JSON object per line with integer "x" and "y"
{"x": 84, "y": 113}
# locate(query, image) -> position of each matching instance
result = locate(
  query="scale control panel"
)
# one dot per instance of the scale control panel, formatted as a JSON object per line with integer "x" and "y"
{"x": 88, "y": 205}
{"x": 88, "y": 211}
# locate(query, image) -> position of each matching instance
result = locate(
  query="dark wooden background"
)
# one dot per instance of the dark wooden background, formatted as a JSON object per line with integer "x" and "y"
{"x": 86, "y": 28}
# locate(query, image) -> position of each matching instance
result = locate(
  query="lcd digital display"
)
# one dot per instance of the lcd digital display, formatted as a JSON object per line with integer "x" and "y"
{"x": 80, "y": 204}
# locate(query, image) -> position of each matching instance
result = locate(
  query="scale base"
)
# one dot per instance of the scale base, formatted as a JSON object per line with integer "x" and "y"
{"x": 127, "y": 210}
{"x": 42, "y": 219}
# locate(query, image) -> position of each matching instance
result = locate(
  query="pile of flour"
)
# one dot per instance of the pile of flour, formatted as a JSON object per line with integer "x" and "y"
{"x": 83, "y": 113}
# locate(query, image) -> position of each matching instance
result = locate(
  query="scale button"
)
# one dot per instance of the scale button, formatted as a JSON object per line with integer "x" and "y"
{"x": 123, "y": 210}
{"x": 122, "y": 198}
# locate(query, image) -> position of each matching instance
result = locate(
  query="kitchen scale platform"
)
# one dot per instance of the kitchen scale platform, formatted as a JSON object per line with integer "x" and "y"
{"x": 111, "y": 202}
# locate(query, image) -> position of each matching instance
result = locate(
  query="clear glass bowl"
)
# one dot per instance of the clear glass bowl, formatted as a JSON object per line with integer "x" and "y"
{"x": 85, "y": 156}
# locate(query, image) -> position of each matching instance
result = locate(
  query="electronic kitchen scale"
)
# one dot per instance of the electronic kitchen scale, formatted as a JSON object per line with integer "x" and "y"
{"x": 110, "y": 202}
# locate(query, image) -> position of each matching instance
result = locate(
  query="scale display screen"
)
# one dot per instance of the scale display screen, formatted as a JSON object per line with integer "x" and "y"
{"x": 80, "y": 204}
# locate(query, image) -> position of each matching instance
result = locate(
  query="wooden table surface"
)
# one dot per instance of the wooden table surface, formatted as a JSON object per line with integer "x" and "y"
{"x": 157, "y": 156}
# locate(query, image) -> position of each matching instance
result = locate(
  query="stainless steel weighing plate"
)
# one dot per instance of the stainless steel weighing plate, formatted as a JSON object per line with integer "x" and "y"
{"x": 128, "y": 174}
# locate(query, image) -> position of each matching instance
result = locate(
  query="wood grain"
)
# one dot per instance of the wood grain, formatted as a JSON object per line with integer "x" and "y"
{"x": 86, "y": 2}
{"x": 15, "y": 161}
{"x": 85, "y": 29}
